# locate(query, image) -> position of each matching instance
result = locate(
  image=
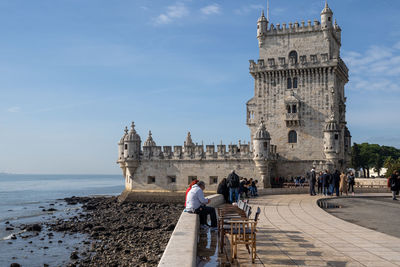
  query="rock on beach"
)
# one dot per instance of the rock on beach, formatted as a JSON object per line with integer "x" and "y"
{"x": 119, "y": 234}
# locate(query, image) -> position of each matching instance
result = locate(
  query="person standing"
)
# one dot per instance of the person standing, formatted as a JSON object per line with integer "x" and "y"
{"x": 320, "y": 182}
{"x": 351, "y": 181}
{"x": 312, "y": 180}
{"x": 223, "y": 190}
{"x": 394, "y": 185}
{"x": 326, "y": 177}
{"x": 335, "y": 183}
{"x": 343, "y": 183}
{"x": 233, "y": 184}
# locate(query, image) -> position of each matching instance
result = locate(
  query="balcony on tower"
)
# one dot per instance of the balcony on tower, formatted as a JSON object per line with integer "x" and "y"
{"x": 292, "y": 116}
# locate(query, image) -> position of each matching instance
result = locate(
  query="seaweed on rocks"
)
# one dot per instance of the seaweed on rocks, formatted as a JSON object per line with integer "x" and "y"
{"x": 120, "y": 234}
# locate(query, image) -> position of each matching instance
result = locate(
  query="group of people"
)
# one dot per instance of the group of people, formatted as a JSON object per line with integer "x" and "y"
{"x": 394, "y": 184}
{"x": 329, "y": 184}
{"x": 233, "y": 188}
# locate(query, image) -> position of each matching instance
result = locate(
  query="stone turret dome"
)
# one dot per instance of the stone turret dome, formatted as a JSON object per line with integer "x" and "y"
{"x": 331, "y": 125}
{"x": 121, "y": 141}
{"x": 262, "y": 133}
{"x": 149, "y": 141}
{"x": 326, "y": 9}
{"x": 262, "y": 18}
{"x": 132, "y": 135}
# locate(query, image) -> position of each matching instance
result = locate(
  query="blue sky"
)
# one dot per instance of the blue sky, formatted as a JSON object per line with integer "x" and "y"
{"x": 74, "y": 73}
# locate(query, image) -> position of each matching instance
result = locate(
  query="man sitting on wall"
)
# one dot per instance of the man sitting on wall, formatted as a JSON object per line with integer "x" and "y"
{"x": 196, "y": 203}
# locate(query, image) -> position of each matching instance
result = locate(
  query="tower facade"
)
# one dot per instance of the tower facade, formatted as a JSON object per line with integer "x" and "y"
{"x": 299, "y": 82}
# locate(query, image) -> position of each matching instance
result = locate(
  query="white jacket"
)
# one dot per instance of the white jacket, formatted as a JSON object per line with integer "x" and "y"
{"x": 195, "y": 198}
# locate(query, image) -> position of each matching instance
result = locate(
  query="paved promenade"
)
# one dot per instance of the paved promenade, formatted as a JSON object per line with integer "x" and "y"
{"x": 294, "y": 231}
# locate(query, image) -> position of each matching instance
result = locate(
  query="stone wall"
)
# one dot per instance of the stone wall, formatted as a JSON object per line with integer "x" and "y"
{"x": 158, "y": 175}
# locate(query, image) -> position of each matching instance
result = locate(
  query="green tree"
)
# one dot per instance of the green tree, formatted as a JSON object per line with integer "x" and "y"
{"x": 355, "y": 157}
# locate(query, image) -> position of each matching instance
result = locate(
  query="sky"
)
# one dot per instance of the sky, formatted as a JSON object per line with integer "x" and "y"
{"x": 74, "y": 73}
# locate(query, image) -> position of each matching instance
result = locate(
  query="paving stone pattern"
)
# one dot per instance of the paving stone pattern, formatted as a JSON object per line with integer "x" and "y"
{"x": 294, "y": 231}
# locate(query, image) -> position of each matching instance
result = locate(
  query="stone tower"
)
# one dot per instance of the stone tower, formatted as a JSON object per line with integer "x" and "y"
{"x": 299, "y": 82}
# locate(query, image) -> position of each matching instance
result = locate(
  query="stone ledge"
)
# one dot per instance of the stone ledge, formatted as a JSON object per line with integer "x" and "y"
{"x": 181, "y": 249}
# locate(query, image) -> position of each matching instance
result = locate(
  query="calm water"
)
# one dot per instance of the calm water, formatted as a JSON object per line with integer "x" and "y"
{"x": 22, "y": 199}
{"x": 20, "y": 195}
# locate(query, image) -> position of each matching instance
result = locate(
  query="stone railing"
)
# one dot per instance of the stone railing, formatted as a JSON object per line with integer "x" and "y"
{"x": 181, "y": 249}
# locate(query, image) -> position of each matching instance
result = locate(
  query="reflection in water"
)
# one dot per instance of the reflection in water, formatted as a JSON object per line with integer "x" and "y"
{"x": 207, "y": 248}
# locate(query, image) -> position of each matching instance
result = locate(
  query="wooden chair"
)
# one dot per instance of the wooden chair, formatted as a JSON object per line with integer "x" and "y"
{"x": 244, "y": 232}
{"x": 229, "y": 214}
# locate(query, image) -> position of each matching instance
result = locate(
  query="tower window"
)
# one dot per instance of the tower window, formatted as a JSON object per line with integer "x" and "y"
{"x": 289, "y": 83}
{"x": 292, "y": 137}
{"x": 213, "y": 179}
{"x": 329, "y": 18}
{"x": 294, "y": 109}
{"x": 293, "y": 57}
{"x": 295, "y": 82}
{"x": 336, "y": 136}
{"x": 126, "y": 146}
{"x": 151, "y": 179}
{"x": 191, "y": 179}
{"x": 171, "y": 179}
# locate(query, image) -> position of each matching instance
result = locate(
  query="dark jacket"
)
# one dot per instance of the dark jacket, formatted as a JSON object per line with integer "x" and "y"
{"x": 394, "y": 183}
{"x": 222, "y": 188}
{"x": 350, "y": 179}
{"x": 313, "y": 178}
{"x": 233, "y": 180}
{"x": 336, "y": 178}
{"x": 326, "y": 179}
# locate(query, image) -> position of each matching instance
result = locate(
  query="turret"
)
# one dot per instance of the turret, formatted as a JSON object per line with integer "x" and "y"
{"x": 261, "y": 153}
{"x": 261, "y": 143}
{"x": 121, "y": 146}
{"x": 132, "y": 144}
{"x": 326, "y": 17}
{"x": 148, "y": 146}
{"x": 262, "y": 28}
{"x": 332, "y": 139}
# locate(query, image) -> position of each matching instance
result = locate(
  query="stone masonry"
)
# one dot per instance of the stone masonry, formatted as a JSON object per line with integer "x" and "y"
{"x": 297, "y": 117}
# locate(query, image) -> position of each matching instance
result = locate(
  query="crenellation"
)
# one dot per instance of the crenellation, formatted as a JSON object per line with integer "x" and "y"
{"x": 296, "y": 117}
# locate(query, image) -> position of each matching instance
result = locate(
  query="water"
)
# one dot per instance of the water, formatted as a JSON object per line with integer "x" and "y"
{"x": 22, "y": 200}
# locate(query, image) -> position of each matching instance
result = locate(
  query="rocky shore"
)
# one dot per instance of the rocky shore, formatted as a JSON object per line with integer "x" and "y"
{"x": 120, "y": 234}
{"x": 110, "y": 233}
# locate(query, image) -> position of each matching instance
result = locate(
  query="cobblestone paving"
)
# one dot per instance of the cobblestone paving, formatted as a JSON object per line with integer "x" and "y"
{"x": 294, "y": 231}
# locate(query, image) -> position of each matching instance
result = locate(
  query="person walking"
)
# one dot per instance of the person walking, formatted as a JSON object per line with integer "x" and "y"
{"x": 223, "y": 190}
{"x": 351, "y": 182}
{"x": 233, "y": 184}
{"x": 312, "y": 180}
{"x": 394, "y": 185}
{"x": 343, "y": 183}
{"x": 320, "y": 182}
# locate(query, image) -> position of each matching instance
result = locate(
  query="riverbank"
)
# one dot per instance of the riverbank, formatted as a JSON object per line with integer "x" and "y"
{"x": 97, "y": 231}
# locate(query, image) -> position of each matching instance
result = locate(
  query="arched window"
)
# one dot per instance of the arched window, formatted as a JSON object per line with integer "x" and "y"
{"x": 289, "y": 83}
{"x": 294, "y": 109}
{"x": 292, "y": 137}
{"x": 295, "y": 82}
{"x": 293, "y": 57}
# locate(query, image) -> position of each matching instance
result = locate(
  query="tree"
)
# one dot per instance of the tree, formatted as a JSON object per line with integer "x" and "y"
{"x": 368, "y": 156}
{"x": 355, "y": 157}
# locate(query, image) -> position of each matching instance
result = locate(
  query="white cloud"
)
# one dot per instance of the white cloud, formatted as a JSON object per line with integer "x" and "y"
{"x": 210, "y": 9}
{"x": 377, "y": 69}
{"x": 14, "y": 109}
{"x": 179, "y": 10}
